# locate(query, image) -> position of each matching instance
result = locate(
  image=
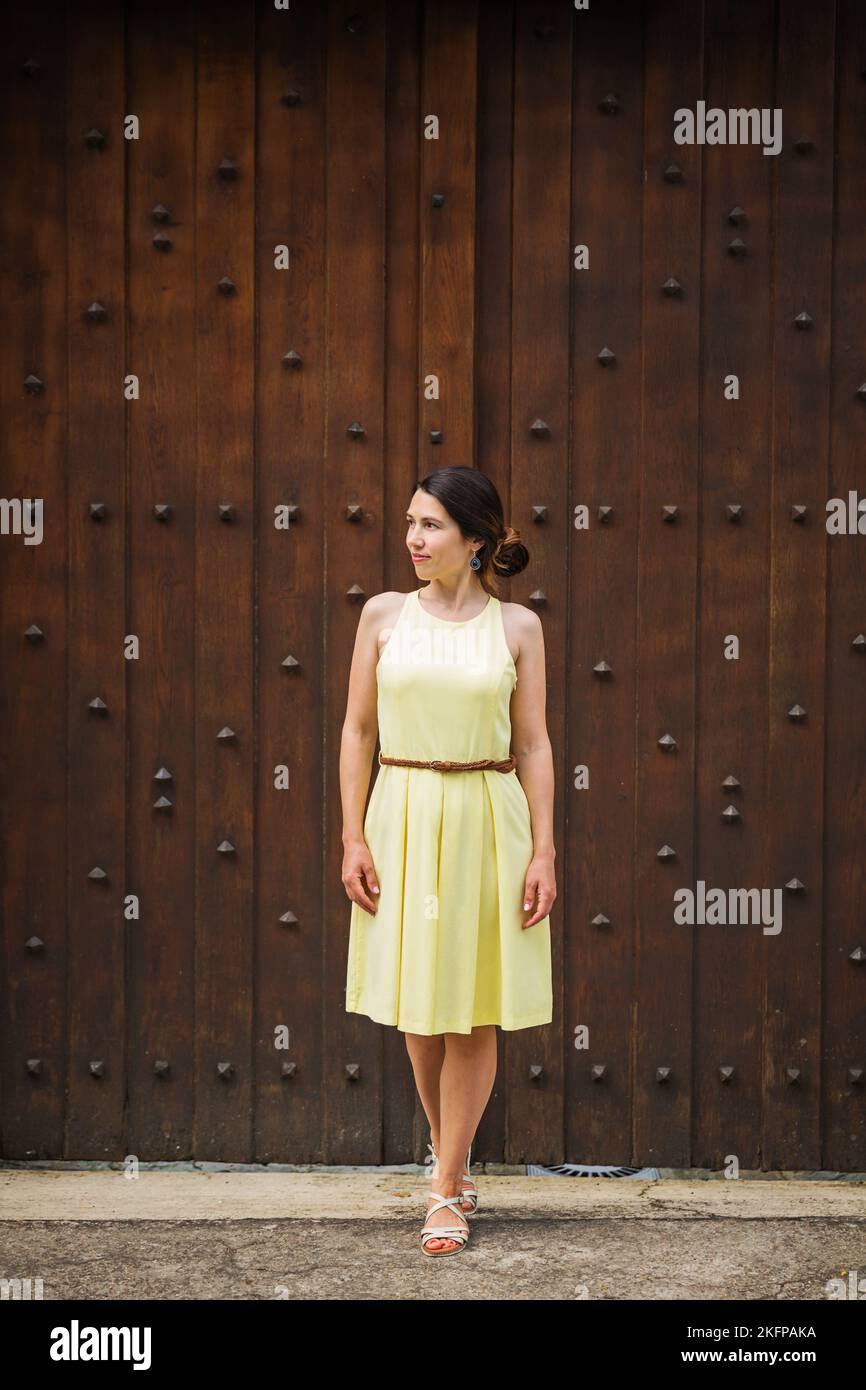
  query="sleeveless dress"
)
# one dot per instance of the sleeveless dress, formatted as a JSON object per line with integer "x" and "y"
{"x": 446, "y": 950}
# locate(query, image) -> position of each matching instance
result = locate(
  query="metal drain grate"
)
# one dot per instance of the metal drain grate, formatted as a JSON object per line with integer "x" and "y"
{"x": 588, "y": 1170}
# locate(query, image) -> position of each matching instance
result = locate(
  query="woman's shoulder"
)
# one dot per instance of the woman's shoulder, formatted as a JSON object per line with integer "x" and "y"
{"x": 522, "y": 628}
{"x": 523, "y": 620}
{"x": 385, "y": 605}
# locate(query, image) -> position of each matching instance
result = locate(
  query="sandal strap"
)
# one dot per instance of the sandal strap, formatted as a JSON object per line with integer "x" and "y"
{"x": 443, "y": 1233}
{"x": 441, "y": 1202}
{"x": 459, "y": 1233}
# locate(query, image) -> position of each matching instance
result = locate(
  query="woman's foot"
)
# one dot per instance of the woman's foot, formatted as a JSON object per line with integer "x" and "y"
{"x": 470, "y": 1192}
{"x": 467, "y": 1186}
{"x": 444, "y": 1216}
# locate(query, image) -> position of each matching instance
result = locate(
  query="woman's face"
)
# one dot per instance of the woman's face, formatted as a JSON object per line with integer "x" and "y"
{"x": 432, "y": 534}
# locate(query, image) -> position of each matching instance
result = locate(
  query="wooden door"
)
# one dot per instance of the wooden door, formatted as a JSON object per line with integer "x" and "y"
{"x": 263, "y": 268}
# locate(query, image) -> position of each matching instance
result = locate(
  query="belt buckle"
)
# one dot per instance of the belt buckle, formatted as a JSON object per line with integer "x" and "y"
{"x": 436, "y": 765}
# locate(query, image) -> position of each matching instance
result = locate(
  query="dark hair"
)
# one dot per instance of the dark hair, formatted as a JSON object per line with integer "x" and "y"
{"x": 471, "y": 499}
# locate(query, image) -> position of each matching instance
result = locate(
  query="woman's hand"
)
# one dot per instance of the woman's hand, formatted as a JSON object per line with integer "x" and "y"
{"x": 359, "y": 876}
{"x": 540, "y": 890}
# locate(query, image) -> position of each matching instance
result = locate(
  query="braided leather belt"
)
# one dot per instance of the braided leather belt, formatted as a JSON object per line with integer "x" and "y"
{"x": 489, "y": 764}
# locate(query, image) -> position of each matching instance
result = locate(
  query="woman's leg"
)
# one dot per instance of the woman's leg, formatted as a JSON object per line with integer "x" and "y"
{"x": 454, "y": 1073}
{"x": 427, "y": 1055}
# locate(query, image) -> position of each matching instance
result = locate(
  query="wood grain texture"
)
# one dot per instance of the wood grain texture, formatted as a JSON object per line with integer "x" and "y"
{"x": 411, "y": 260}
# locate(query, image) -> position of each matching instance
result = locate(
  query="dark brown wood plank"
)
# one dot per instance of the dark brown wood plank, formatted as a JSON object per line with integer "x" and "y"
{"x": 605, "y": 471}
{"x": 541, "y": 278}
{"x": 33, "y": 590}
{"x": 667, "y": 591}
{"x": 803, "y": 244}
{"x": 355, "y": 363}
{"x": 290, "y": 582}
{"x": 224, "y": 613}
{"x": 733, "y": 592}
{"x": 447, "y": 233}
{"x": 163, "y": 463}
{"x": 843, "y": 979}
{"x": 99, "y": 923}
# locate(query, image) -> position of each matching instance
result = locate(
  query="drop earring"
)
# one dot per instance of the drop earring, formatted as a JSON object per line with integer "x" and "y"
{"x": 475, "y": 563}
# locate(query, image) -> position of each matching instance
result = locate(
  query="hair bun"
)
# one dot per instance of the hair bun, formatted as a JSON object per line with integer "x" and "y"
{"x": 508, "y": 537}
{"x": 510, "y": 555}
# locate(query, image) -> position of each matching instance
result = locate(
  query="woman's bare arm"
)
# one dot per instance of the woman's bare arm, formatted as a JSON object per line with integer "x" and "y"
{"x": 360, "y": 730}
{"x": 530, "y": 744}
{"x": 360, "y": 727}
{"x": 529, "y": 738}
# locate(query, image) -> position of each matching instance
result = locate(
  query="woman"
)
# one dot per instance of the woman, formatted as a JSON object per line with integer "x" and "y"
{"x": 451, "y": 873}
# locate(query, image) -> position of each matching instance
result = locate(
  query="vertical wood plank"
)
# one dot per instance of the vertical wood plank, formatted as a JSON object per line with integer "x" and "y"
{"x": 290, "y": 604}
{"x": 843, "y": 979}
{"x": 355, "y": 362}
{"x": 98, "y": 928}
{"x": 734, "y": 587}
{"x": 605, "y": 471}
{"x": 163, "y": 452}
{"x": 33, "y": 588}
{"x": 447, "y": 234}
{"x": 224, "y": 613}
{"x": 802, "y": 244}
{"x": 667, "y": 590}
{"x": 541, "y": 288}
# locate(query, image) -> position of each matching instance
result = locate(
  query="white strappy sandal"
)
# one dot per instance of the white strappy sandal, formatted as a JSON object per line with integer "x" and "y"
{"x": 468, "y": 1193}
{"x": 458, "y": 1233}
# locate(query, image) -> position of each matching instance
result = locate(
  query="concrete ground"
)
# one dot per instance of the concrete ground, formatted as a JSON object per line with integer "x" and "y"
{"x": 214, "y": 1232}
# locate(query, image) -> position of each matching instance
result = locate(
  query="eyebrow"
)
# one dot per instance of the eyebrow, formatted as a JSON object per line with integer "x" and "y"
{"x": 425, "y": 518}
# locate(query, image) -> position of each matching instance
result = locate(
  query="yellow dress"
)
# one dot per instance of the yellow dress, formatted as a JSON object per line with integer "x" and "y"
{"x": 446, "y": 950}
